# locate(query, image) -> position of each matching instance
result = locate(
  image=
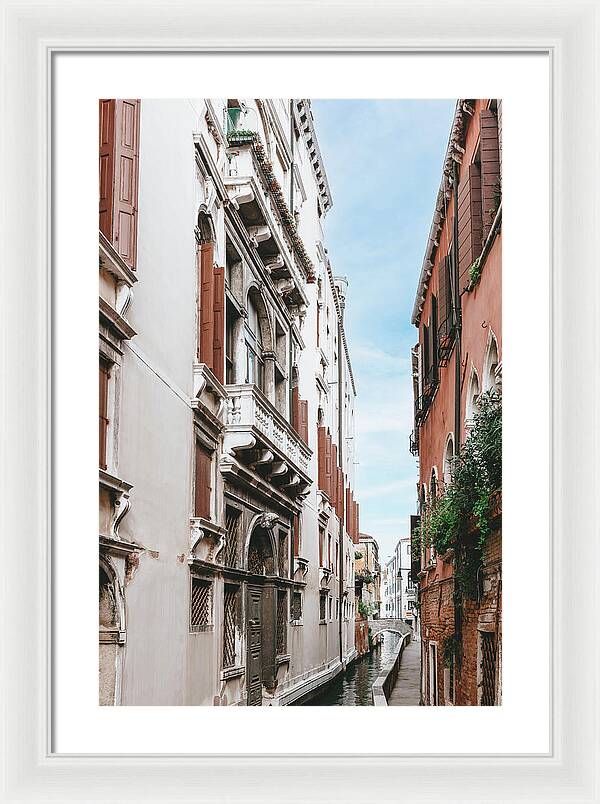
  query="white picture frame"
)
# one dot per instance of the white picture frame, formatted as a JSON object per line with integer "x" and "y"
{"x": 569, "y": 32}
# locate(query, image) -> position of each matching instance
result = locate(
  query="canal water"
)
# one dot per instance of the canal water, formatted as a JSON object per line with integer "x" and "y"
{"x": 353, "y": 688}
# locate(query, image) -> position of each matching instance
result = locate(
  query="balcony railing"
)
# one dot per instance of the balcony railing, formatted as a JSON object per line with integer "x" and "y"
{"x": 259, "y": 435}
{"x": 413, "y": 442}
{"x": 446, "y": 332}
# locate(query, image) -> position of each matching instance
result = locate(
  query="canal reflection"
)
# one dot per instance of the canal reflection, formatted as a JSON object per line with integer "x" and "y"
{"x": 353, "y": 688}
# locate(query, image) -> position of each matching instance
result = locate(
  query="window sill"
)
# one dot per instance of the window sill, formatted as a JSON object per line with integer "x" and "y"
{"x": 284, "y": 658}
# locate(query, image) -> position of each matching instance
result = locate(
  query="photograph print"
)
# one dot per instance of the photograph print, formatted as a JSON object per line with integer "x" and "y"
{"x": 300, "y": 402}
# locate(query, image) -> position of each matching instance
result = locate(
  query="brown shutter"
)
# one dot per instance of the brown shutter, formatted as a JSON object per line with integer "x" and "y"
{"x": 218, "y": 362}
{"x": 321, "y": 537}
{"x": 203, "y": 482}
{"x": 107, "y": 166}
{"x": 303, "y": 420}
{"x": 103, "y": 418}
{"x": 295, "y": 409}
{"x": 321, "y": 453}
{"x": 341, "y": 484}
{"x": 426, "y": 354}
{"x": 490, "y": 167}
{"x": 445, "y": 314}
{"x": 296, "y": 534}
{"x": 207, "y": 303}
{"x": 328, "y": 467}
{"x": 433, "y": 330}
{"x": 357, "y": 533}
{"x": 348, "y": 511}
{"x": 469, "y": 222}
{"x": 127, "y": 132}
{"x": 334, "y": 477}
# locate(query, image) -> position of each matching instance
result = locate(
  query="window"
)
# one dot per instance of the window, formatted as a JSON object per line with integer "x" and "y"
{"x": 331, "y": 608}
{"x": 203, "y": 484}
{"x": 230, "y": 623}
{"x": 322, "y": 606}
{"x": 490, "y": 370}
{"x": 297, "y": 606}
{"x": 103, "y": 418}
{"x": 233, "y": 318}
{"x": 283, "y": 554}
{"x": 433, "y": 690}
{"x": 487, "y": 668}
{"x": 281, "y": 636}
{"x": 321, "y": 546}
{"x": 200, "y": 604}
{"x": 296, "y": 534}
{"x": 448, "y": 460}
{"x": 232, "y": 526}
{"x": 473, "y": 392}
{"x": 254, "y": 358}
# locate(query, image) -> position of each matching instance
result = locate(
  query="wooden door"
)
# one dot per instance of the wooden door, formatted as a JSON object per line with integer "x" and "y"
{"x": 254, "y": 640}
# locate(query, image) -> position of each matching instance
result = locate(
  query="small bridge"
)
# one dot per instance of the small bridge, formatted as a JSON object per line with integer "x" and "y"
{"x": 387, "y": 624}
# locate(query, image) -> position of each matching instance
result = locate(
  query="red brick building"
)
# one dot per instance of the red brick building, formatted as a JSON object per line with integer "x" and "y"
{"x": 458, "y": 358}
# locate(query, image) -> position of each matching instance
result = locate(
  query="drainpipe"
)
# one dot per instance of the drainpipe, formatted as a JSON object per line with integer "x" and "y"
{"x": 457, "y": 368}
{"x": 292, "y": 138}
{"x": 341, "y": 463}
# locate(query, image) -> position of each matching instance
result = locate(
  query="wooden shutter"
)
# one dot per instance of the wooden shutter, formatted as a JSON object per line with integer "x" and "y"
{"x": 207, "y": 303}
{"x": 304, "y": 420}
{"x": 295, "y": 417}
{"x": 469, "y": 222}
{"x": 426, "y": 355}
{"x": 321, "y": 453}
{"x": 328, "y": 467}
{"x": 218, "y": 361}
{"x": 321, "y": 537}
{"x": 296, "y": 534}
{"x": 340, "y": 495}
{"x": 203, "y": 481}
{"x": 107, "y": 166}
{"x": 490, "y": 167}
{"x": 127, "y": 132}
{"x": 433, "y": 334}
{"x": 103, "y": 418}
{"x": 334, "y": 477}
{"x": 348, "y": 510}
{"x": 445, "y": 312}
{"x": 357, "y": 532}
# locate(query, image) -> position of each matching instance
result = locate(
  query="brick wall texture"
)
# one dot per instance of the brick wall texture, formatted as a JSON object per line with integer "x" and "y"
{"x": 481, "y": 616}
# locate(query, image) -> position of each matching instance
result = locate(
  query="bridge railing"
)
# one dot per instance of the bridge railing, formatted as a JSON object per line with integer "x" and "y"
{"x": 386, "y": 680}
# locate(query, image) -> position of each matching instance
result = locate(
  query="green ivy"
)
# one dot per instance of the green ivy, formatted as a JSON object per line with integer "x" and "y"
{"x": 460, "y": 518}
{"x": 475, "y": 272}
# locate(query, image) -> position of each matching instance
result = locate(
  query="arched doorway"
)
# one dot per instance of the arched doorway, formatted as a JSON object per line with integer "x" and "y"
{"x": 110, "y": 626}
{"x": 260, "y": 615}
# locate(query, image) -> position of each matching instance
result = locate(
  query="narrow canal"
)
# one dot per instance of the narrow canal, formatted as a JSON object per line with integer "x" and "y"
{"x": 353, "y": 688}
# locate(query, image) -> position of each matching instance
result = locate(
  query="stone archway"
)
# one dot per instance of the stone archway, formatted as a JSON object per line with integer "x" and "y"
{"x": 260, "y": 614}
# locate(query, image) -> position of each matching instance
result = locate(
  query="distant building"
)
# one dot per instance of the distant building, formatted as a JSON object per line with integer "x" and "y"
{"x": 367, "y": 577}
{"x": 457, "y": 359}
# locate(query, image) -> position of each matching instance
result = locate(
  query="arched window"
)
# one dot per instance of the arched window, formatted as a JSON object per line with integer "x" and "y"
{"x": 433, "y": 486}
{"x": 448, "y": 466}
{"x": 490, "y": 366}
{"x": 254, "y": 347}
{"x": 473, "y": 393}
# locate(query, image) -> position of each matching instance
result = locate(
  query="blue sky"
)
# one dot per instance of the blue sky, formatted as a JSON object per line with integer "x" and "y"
{"x": 384, "y": 160}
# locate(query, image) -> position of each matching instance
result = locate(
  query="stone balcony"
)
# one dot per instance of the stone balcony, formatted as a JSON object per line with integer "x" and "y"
{"x": 260, "y": 438}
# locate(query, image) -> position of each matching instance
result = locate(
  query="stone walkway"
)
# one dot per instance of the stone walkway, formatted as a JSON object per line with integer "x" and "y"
{"x": 406, "y": 691}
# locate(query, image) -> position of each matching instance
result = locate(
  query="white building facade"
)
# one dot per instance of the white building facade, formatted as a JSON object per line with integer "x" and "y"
{"x": 227, "y": 512}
